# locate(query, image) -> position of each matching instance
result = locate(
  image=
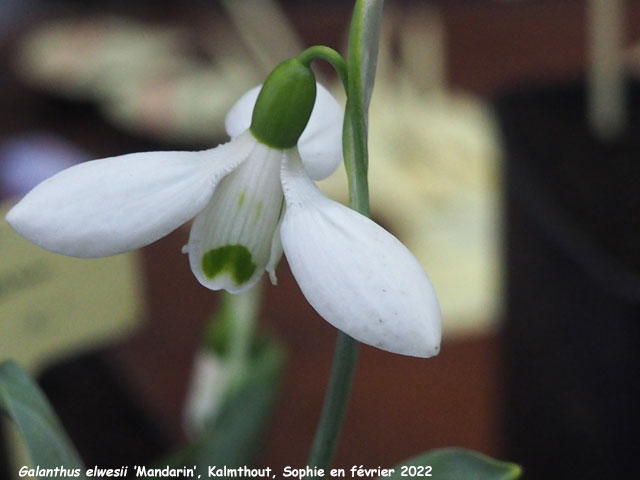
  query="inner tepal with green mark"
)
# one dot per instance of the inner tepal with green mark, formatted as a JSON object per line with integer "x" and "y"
{"x": 233, "y": 259}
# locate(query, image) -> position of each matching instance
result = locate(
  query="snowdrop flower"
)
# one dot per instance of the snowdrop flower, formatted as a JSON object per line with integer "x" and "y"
{"x": 251, "y": 198}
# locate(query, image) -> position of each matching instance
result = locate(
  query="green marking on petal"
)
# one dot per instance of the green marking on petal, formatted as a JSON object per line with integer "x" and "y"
{"x": 242, "y": 198}
{"x": 258, "y": 211}
{"x": 234, "y": 259}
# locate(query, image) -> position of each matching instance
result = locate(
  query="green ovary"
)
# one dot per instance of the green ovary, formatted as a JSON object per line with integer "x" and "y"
{"x": 234, "y": 259}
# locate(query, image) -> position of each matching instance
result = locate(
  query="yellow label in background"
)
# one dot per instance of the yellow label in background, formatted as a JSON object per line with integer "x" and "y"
{"x": 52, "y": 306}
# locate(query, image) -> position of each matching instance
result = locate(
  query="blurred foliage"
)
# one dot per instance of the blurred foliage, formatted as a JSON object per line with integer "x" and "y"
{"x": 39, "y": 428}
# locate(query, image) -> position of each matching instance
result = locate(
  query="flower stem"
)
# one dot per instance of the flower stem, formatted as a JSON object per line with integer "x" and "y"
{"x": 242, "y": 310}
{"x": 354, "y": 142}
{"x": 335, "y": 403}
{"x": 361, "y": 56}
{"x": 329, "y": 55}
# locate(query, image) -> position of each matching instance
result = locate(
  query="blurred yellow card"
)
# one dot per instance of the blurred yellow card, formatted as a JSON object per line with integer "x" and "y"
{"x": 52, "y": 305}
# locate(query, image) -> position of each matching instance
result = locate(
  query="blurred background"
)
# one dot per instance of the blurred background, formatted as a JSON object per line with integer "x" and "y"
{"x": 482, "y": 162}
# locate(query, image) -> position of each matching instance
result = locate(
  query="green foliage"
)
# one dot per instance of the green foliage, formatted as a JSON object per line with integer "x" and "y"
{"x": 455, "y": 464}
{"x": 23, "y": 402}
{"x": 362, "y": 58}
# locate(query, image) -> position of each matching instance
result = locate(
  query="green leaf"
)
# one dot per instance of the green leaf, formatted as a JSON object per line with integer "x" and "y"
{"x": 364, "y": 37}
{"x": 455, "y": 464}
{"x": 234, "y": 435}
{"x": 23, "y": 402}
{"x": 362, "y": 58}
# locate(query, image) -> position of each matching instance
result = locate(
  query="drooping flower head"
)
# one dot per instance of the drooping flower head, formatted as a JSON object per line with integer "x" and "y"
{"x": 252, "y": 198}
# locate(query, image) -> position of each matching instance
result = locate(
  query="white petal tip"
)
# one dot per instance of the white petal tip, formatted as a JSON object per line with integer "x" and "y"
{"x": 117, "y": 204}
{"x": 185, "y": 249}
{"x": 428, "y": 349}
{"x": 12, "y": 219}
{"x": 415, "y": 332}
{"x": 19, "y": 223}
{"x": 27, "y": 222}
{"x": 273, "y": 277}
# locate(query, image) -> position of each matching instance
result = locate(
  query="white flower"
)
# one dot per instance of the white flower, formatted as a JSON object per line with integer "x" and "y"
{"x": 250, "y": 201}
{"x": 205, "y": 394}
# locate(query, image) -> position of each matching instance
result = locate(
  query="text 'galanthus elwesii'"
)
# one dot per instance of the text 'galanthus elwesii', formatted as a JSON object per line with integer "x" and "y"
{"x": 252, "y": 198}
